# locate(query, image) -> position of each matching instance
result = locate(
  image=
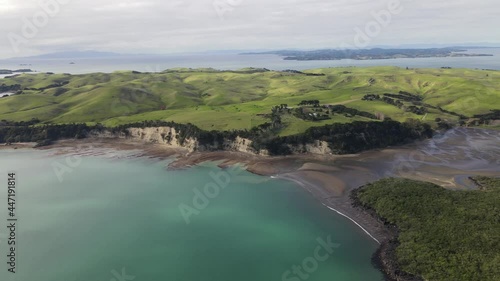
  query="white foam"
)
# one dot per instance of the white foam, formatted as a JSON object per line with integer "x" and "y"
{"x": 344, "y": 215}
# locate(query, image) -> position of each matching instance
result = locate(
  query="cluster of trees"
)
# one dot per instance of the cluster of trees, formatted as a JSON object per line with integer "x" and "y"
{"x": 350, "y": 137}
{"x": 33, "y": 121}
{"x": 17, "y": 88}
{"x": 488, "y": 117}
{"x": 426, "y": 105}
{"x": 13, "y": 132}
{"x": 317, "y": 115}
{"x": 418, "y": 101}
{"x": 443, "y": 124}
{"x": 416, "y": 110}
{"x": 276, "y": 122}
{"x": 396, "y": 100}
{"x": 55, "y": 85}
{"x": 409, "y": 97}
{"x": 371, "y": 97}
{"x": 9, "y": 88}
{"x": 461, "y": 116}
{"x": 351, "y": 111}
{"x": 309, "y": 102}
{"x": 444, "y": 235}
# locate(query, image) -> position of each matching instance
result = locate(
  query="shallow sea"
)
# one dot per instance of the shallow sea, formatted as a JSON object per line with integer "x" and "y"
{"x": 99, "y": 217}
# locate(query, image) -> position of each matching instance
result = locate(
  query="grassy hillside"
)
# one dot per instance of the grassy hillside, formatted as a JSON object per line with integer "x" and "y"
{"x": 222, "y": 100}
{"x": 444, "y": 235}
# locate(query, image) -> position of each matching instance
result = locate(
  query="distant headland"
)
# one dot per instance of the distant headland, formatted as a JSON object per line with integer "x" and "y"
{"x": 7, "y": 71}
{"x": 371, "y": 54}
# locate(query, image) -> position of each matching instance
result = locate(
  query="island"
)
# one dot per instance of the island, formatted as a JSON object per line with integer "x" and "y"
{"x": 370, "y": 54}
{"x": 7, "y": 71}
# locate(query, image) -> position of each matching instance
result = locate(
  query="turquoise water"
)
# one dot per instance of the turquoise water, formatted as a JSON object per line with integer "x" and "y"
{"x": 119, "y": 219}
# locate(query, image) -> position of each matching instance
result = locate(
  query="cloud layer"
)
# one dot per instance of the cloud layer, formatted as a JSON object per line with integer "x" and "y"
{"x": 154, "y": 26}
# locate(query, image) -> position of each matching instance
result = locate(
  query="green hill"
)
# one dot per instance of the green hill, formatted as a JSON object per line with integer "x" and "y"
{"x": 243, "y": 99}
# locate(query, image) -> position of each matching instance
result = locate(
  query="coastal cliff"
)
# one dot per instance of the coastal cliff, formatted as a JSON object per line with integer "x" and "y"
{"x": 171, "y": 138}
{"x": 263, "y": 140}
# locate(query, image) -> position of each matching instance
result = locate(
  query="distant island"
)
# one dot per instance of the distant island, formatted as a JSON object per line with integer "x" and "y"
{"x": 7, "y": 71}
{"x": 370, "y": 54}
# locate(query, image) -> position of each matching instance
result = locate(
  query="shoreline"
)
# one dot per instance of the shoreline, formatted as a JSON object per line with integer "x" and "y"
{"x": 331, "y": 179}
{"x": 303, "y": 185}
{"x": 309, "y": 171}
{"x": 385, "y": 258}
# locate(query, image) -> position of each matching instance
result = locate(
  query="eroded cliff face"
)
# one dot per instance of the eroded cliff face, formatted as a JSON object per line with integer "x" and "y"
{"x": 162, "y": 135}
{"x": 318, "y": 147}
{"x": 241, "y": 145}
{"x": 169, "y": 137}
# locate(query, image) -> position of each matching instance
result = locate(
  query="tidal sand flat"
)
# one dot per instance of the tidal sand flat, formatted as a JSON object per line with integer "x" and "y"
{"x": 448, "y": 160}
{"x": 111, "y": 213}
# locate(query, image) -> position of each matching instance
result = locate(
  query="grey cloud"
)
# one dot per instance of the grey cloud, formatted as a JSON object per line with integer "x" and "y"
{"x": 195, "y": 25}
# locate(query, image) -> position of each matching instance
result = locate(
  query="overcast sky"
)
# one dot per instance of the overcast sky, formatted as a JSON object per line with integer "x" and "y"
{"x": 166, "y": 26}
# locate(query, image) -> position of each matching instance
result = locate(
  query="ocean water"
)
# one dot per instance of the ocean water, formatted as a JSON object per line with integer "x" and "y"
{"x": 118, "y": 218}
{"x": 235, "y": 61}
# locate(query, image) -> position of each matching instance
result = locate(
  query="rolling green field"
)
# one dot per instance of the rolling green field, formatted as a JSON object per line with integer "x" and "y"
{"x": 223, "y": 100}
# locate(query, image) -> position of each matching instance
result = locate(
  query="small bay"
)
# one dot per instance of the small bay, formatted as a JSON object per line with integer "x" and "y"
{"x": 106, "y": 216}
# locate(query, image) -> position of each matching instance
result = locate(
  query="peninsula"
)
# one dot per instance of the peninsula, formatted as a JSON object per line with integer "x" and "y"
{"x": 371, "y": 54}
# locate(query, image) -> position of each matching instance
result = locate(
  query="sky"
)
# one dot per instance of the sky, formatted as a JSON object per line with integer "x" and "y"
{"x": 31, "y": 27}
